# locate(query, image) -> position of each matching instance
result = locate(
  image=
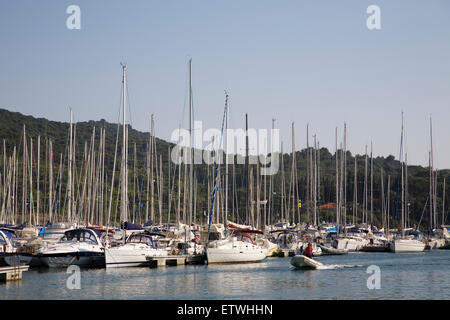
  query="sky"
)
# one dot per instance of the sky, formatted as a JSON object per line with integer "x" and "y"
{"x": 307, "y": 62}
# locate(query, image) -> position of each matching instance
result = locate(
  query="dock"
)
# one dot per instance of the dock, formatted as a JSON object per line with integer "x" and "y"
{"x": 167, "y": 261}
{"x": 12, "y": 273}
{"x": 284, "y": 253}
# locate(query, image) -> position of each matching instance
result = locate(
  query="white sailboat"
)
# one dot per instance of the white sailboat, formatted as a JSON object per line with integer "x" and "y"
{"x": 238, "y": 247}
{"x": 407, "y": 245}
{"x": 412, "y": 243}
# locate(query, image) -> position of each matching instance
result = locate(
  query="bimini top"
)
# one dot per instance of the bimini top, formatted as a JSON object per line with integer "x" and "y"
{"x": 82, "y": 235}
{"x": 130, "y": 226}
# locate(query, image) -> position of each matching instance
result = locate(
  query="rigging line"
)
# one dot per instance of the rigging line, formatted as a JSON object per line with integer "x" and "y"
{"x": 129, "y": 104}
{"x": 186, "y": 89}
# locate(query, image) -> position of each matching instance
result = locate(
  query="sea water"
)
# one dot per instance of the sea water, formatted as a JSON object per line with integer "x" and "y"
{"x": 401, "y": 276}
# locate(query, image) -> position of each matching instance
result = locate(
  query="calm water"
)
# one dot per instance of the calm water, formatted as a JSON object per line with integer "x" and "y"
{"x": 403, "y": 276}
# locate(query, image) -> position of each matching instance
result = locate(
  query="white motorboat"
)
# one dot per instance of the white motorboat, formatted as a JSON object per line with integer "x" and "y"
{"x": 135, "y": 251}
{"x": 332, "y": 251}
{"x": 80, "y": 246}
{"x": 407, "y": 245}
{"x": 8, "y": 252}
{"x": 350, "y": 243}
{"x": 303, "y": 262}
{"x": 238, "y": 247}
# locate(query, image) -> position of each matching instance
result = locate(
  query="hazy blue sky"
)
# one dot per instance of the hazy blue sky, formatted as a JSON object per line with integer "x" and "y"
{"x": 301, "y": 61}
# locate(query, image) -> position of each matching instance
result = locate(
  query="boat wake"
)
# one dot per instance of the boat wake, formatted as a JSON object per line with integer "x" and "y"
{"x": 338, "y": 266}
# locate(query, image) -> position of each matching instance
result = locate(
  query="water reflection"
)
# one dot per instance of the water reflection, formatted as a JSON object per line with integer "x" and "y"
{"x": 422, "y": 276}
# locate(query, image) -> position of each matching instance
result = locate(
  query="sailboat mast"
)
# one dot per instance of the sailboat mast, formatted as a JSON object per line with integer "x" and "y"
{"x": 443, "y": 203}
{"x": 403, "y": 190}
{"x": 69, "y": 185}
{"x": 191, "y": 145}
{"x": 337, "y": 179}
{"x": 227, "y": 98}
{"x": 124, "y": 147}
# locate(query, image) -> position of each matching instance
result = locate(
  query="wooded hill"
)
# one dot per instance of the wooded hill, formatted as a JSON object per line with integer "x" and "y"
{"x": 11, "y": 132}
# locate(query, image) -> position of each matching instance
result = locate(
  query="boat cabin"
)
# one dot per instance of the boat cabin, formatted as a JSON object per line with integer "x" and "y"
{"x": 82, "y": 235}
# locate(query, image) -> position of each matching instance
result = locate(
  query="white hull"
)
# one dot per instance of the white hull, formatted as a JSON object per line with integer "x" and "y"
{"x": 234, "y": 251}
{"x": 219, "y": 255}
{"x": 406, "y": 245}
{"x": 131, "y": 255}
{"x": 65, "y": 261}
{"x": 18, "y": 260}
{"x": 301, "y": 261}
{"x": 350, "y": 244}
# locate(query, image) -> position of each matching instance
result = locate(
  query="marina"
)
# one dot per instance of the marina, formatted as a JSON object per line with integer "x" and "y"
{"x": 405, "y": 276}
{"x": 224, "y": 151}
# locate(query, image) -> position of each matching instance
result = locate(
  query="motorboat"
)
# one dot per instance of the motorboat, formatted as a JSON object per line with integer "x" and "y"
{"x": 303, "y": 262}
{"x": 8, "y": 252}
{"x": 81, "y": 246}
{"x": 135, "y": 251}
{"x": 238, "y": 247}
{"x": 332, "y": 251}
{"x": 350, "y": 243}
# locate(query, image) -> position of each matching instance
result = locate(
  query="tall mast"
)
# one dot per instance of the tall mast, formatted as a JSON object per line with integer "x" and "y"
{"x": 345, "y": 175}
{"x": 388, "y": 202}
{"x": 38, "y": 179}
{"x": 365, "y": 190}
{"x": 307, "y": 175}
{"x": 337, "y": 178}
{"x": 271, "y": 184}
{"x": 191, "y": 145}
{"x": 355, "y": 194}
{"x": 315, "y": 180}
{"x": 431, "y": 175}
{"x": 371, "y": 183}
{"x": 246, "y": 169}
{"x": 124, "y": 202}
{"x": 402, "y": 172}
{"x": 443, "y": 203}
{"x": 69, "y": 185}
{"x": 227, "y": 99}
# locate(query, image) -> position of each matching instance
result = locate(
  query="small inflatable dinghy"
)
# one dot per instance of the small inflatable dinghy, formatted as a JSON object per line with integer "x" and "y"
{"x": 304, "y": 262}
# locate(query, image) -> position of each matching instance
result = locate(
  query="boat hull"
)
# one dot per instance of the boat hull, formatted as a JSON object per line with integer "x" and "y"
{"x": 399, "y": 246}
{"x": 119, "y": 257}
{"x": 332, "y": 251}
{"x": 303, "y": 262}
{"x": 219, "y": 255}
{"x": 84, "y": 259}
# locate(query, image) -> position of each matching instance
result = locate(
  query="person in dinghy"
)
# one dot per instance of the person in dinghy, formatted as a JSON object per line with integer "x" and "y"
{"x": 309, "y": 250}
